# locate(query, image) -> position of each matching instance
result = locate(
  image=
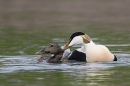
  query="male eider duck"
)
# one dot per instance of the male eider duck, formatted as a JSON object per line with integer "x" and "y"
{"x": 89, "y": 51}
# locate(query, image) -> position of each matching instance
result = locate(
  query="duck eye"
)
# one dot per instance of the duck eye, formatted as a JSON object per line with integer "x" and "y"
{"x": 51, "y": 45}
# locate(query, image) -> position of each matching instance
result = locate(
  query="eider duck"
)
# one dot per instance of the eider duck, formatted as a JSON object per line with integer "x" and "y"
{"x": 89, "y": 51}
{"x": 54, "y": 49}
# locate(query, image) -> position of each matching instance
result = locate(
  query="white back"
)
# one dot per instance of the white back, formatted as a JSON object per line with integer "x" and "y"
{"x": 98, "y": 53}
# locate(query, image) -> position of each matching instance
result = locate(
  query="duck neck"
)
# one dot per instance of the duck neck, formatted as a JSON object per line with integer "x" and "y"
{"x": 58, "y": 55}
{"x": 89, "y": 44}
{"x": 84, "y": 46}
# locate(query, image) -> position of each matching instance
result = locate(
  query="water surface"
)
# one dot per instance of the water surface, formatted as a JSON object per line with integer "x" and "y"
{"x": 26, "y": 27}
{"x": 25, "y": 70}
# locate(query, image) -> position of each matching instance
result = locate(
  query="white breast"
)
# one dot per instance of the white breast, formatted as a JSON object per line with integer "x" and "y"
{"x": 66, "y": 53}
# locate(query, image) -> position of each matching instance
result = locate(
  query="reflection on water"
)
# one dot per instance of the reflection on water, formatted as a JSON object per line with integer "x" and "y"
{"x": 17, "y": 63}
{"x": 26, "y": 27}
{"x": 83, "y": 73}
{"x": 20, "y": 69}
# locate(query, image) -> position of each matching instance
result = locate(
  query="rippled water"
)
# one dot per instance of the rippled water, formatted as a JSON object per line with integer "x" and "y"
{"x": 12, "y": 64}
{"x": 22, "y": 69}
{"x": 26, "y": 27}
{"x": 25, "y": 70}
{"x": 78, "y": 73}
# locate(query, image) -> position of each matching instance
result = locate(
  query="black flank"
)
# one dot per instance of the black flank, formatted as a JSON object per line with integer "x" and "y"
{"x": 78, "y": 56}
{"x": 115, "y": 58}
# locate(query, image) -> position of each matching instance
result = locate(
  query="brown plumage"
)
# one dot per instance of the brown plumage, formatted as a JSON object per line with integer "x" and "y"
{"x": 52, "y": 49}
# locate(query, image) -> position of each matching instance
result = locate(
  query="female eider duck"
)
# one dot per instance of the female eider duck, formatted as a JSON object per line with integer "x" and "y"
{"x": 54, "y": 49}
{"x": 89, "y": 51}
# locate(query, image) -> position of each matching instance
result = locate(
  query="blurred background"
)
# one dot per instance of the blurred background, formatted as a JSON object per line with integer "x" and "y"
{"x": 25, "y": 24}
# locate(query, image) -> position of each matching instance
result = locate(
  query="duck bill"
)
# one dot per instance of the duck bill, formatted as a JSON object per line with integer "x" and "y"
{"x": 40, "y": 51}
{"x": 66, "y": 45}
{"x": 37, "y": 53}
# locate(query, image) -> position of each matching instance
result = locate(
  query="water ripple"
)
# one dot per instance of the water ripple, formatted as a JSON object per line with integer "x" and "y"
{"x": 18, "y": 63}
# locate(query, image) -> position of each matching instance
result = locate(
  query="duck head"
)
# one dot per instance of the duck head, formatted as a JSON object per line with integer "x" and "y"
{"x": 76, "y": 39}
{"x": 51, "y": 48}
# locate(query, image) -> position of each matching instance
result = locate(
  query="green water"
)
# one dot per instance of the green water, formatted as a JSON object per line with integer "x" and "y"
{"x": 18, "y": 64}
{"x": 27, "y": 27}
